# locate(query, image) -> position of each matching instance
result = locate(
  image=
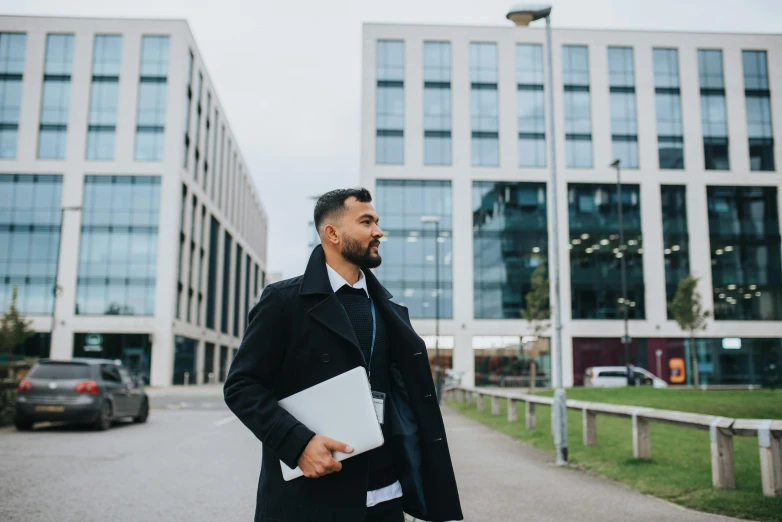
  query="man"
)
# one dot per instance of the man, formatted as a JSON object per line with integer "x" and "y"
{"x": 303, "y": 331}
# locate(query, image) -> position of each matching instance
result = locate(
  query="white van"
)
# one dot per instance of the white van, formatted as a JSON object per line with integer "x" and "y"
{"x": 616, "y": 377}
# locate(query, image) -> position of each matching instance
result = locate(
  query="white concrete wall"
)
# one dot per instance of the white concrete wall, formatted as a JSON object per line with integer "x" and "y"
{"x": 463, "y": 327}
{"x": 247, "y": 226}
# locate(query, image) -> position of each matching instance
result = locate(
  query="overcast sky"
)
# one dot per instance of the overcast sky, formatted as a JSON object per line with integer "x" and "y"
{"x": 289, "y": 74}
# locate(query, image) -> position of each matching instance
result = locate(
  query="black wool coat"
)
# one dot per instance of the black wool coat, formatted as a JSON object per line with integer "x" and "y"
{"x": 299, "y": 335}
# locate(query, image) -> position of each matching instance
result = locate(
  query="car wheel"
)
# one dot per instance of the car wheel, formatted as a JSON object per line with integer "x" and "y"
{"x": 23, "y": 424}
{"x": 143, "y": 413}
{"x": 104, "y": 419}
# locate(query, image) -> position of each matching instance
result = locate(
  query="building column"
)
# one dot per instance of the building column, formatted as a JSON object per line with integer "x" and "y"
{"x": 162, "y": 363}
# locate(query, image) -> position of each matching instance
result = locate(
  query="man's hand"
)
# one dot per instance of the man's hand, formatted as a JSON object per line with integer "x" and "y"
{"x": 318, "y": 460}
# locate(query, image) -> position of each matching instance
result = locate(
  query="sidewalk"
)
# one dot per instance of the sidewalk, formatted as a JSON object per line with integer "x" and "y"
{"x": 500, "y": 478}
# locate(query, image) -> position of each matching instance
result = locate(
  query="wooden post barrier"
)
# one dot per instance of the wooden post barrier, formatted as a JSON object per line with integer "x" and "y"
{"x": 770, "y": 459}
{"x": 481, "y": 403}
{"x": 642, "y": 444}
{"x": 513, "y": 410}
{"x": 722, "y": 471}
{"x": 589, "y": 422}
{"x": 495, "y": 405}
{"x": 530, "y": 415}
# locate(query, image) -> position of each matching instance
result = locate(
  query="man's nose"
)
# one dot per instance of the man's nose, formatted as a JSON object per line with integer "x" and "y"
{"x": 378, "y": 233}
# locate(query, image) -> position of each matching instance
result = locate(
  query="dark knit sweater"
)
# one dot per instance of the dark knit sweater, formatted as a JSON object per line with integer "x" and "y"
{"x": 357, "y": 306}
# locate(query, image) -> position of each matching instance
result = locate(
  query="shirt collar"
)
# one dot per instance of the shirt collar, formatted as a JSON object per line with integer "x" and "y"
{"x": 337, "y": 281}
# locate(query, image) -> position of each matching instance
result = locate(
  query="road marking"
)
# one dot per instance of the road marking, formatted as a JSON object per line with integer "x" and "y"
{"x": 225, "y": 421}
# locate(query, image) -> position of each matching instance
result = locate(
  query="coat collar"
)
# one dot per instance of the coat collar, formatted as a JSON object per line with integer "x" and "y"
{"x": 316, "y": 278}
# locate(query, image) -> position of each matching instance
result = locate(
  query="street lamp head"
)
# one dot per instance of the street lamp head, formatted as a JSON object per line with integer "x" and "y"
{"x": 430, "y": 219}
{"x": 615, "y": 164}
{"x": 523, "y": 14}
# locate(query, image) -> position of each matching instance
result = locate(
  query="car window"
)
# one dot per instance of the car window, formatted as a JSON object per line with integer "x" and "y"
{"x": 126, "y": 378}
{"x": 60, "y": 371}
{"x": 110, "y": 373}
{"x": 611, "y": 373}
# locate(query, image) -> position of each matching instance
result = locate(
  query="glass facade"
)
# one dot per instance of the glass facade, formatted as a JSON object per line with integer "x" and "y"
{"x": 746, "y": 265}
{"x": 624, "y": 128}
{"x": 104, "y": 92}
{"x": 408, "y": 248}
{"x": 199, "y": 92}
{"x": 237, "y": 288}
{"x": 11, "y": 70}
{"x": 56, "y": 96}
{"x": 595, "y": 251}
{"x": 578, "y": 113}
{"x": 676, "y": 240}
{"x": 118, "y": 251}
{"x": 133, "y": 349}
{"x": 437, "y": 103}
{"x": 390, "y": 116}
{"x": 530, "y": 104}
{"x": 151, "y": 117}
{"x": 184, "y": 360}
{"x": 484, "y": 105}
{"x": 29, "y": 240}
{"x": 714, "y": 118}
{"x": 510, "y": 240}
{"x": 667, "y": 98}
{"x": 759, "y": 128}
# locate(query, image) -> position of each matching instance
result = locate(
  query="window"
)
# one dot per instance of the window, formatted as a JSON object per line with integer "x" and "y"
{"x": 211, "y": 282}
{"x": 409, "y": 246}
{"x": 199, "y": 94}
{"x": 237, "y": 288}
{"x": 746, "y": 264}
{"x": 227, "y": 247}
{"x": 621, "y": 80}
{"x": 390, "y": 116}
{"x": 759, "y": 128}
{"x": 437, "y": 103}
{"x": 530, "y": 105}
{"x": 104, "y": 92}
{"x": 29, "y": 240}
{"x": 484, "y": 108}
{"x": 714, "y": 119}
{"x": 578, "y": 117}
{"x": 56, "y": 96}
{"x": 510, "y": 240}
{"x": 676, "y": 242}
{"x": 11, "y": 69}
{"x": 151, "y": 118}
{"x": 179, "y": 284}
{"x": 596, "y": 252}
{"x": 188, "y": 107}
{"x": 667, "y": 97}
{"x": 206, "y": 139}
{"x": 118, "y": 250}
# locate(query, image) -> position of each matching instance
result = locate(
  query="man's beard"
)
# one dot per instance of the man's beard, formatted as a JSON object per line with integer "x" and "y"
{"x": 355, "y": 253}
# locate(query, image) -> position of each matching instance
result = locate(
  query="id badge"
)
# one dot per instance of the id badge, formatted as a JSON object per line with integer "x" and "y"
{"x": 379, "y": 402}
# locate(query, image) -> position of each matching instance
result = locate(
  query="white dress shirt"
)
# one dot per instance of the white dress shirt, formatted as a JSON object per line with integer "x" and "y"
{"x": 394, "y": 490}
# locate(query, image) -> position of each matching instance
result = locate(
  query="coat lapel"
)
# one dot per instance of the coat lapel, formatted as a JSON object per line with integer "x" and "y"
{"x": 328, "y": 311}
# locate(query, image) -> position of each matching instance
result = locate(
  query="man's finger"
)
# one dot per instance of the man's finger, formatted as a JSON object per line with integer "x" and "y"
{"x": 334, "y": 445}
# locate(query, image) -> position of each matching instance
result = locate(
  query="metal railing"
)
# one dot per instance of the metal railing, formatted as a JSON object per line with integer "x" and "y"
{"x": 721, "y": 429}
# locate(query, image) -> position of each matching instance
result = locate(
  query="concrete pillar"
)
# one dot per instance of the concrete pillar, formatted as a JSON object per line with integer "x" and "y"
{"x": 513, "y": 410}
{"x": 589, "y": 420}
{"x": 495, "y": 405}
{"x": 481, "y": 403}
{"x": 722, "y": 473}
{"x": 642, "y": 447}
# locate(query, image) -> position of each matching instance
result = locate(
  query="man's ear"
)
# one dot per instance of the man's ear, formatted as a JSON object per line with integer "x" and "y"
{"x": 331, "y": 234}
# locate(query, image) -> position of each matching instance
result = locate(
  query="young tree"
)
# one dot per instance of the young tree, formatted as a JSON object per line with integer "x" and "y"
{"x": 687, "y": 310}
{"x": 14, "y": 329}
{"x": 537, "y": 311}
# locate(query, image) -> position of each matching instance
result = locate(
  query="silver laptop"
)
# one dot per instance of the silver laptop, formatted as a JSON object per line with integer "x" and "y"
{"x": 340, "y": 408}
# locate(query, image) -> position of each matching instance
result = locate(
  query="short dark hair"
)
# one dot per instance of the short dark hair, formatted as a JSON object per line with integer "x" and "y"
{"x": 332, "y": 203}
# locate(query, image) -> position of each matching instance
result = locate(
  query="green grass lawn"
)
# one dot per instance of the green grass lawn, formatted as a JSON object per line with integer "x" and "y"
{"x": 680, "y": 468}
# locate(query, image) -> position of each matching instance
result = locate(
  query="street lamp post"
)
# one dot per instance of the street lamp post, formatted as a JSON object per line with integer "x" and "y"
{"x": 56, "y": 289}
{"x": 622, "y": 255}
{"x": 522, "y": 15}
{"x": 437, "y": 377}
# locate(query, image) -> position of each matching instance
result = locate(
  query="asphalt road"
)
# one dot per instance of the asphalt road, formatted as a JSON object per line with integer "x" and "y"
{"x": 193, "y": 461}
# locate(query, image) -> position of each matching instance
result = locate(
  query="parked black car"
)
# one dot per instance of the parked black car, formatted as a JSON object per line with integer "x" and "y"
{"x": 85, "y": 391}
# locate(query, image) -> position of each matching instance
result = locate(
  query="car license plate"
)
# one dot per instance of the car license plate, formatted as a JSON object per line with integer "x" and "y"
{"x": 50, "y": 408}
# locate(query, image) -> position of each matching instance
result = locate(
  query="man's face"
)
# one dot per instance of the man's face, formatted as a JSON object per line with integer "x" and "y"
{"x": 360, "y": 234}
